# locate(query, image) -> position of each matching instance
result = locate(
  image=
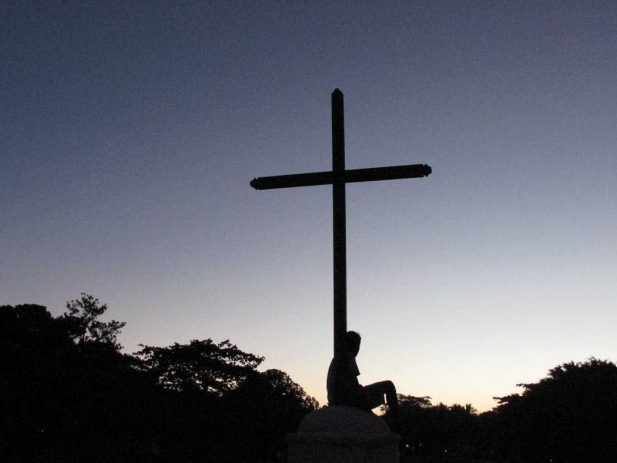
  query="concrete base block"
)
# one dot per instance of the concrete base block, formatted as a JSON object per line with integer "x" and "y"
{"x": 343, "y": 434}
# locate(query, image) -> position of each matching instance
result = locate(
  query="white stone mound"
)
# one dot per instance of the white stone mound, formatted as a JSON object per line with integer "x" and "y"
{"x": 343, "y": 434}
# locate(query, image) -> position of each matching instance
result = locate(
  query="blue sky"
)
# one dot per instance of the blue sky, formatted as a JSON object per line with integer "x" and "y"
{"x": 130, "y": 131}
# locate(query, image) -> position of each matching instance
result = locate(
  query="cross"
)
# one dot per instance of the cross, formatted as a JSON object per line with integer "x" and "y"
{"x": 338, "y": 177}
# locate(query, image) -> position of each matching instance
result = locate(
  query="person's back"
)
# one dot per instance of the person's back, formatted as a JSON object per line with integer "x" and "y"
{"x": 342, "y": 383}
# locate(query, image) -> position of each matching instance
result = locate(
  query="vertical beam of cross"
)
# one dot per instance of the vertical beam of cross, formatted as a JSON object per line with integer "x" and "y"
{"x": 338, "y": 177}
{"x": 339, "y": 232}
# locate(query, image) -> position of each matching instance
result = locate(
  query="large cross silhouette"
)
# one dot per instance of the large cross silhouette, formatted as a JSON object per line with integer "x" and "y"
{"x": 338, "y": 177}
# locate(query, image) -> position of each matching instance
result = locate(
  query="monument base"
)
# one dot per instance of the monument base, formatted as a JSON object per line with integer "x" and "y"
{"x": 343, "y": 434}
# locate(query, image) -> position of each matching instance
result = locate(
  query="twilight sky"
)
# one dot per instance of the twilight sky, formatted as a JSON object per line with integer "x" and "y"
{"x": 129, "y": 132}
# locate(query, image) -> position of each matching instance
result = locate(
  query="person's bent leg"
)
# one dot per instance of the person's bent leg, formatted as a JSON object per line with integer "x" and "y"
{"x": 376, "y": 392}
{"x": 392, "y": 400}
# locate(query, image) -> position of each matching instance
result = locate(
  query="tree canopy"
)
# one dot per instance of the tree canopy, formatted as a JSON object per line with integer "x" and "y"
{"x": 199, "y": 365}
{"x": 84, "y": 326}
{"x": 571, "y": 415}
{"x": 68, "y": 393}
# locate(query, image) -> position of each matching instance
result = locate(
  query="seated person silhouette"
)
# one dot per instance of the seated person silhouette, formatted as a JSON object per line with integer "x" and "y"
{"x": 344, "y": 389}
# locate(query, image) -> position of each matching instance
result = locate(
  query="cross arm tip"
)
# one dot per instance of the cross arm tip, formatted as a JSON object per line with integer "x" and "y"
{"x": 337, "y": 92}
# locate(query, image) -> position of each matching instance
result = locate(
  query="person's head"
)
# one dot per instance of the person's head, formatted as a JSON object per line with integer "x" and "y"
{"x": 352, "y": 342}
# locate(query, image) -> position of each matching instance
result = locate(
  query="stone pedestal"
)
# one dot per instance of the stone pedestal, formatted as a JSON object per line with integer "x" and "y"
{"x": 342, "y": 434}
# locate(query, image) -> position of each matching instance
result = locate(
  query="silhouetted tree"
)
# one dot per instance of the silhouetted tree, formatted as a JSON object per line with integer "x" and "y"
{"x": 33, "y": 350}
{"x": 65, "y": 397}
{"x": 569, "y": 416}
{"x": 262, "y": 411}
{"x": 438, "y": 430}
{"x": 83, "y": 324}
{"x": 222, "y": 406}
{"x": 199, "y": 365}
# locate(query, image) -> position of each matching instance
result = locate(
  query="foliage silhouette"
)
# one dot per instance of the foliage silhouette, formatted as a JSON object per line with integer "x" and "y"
{"x": 437, "y": 430}
{"x": 64, "y": 399}
{"x": 569, "y": 416}
{"x": 84, "y": 326}
{"x": 67, "y": 393}
{"x": 264, "y": 409}
{"x": 199, "y": 365}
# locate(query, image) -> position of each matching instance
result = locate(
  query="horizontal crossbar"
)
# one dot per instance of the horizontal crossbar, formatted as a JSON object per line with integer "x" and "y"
{"x": 348, "y": 176}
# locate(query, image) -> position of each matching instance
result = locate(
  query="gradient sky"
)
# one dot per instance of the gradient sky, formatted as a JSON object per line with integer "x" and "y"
{"x": 129, "y": 132}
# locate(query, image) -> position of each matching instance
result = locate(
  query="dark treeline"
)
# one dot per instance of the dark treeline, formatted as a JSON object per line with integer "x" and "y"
{"x": 68, "y": 393}
{"x": 569, "y": 416}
